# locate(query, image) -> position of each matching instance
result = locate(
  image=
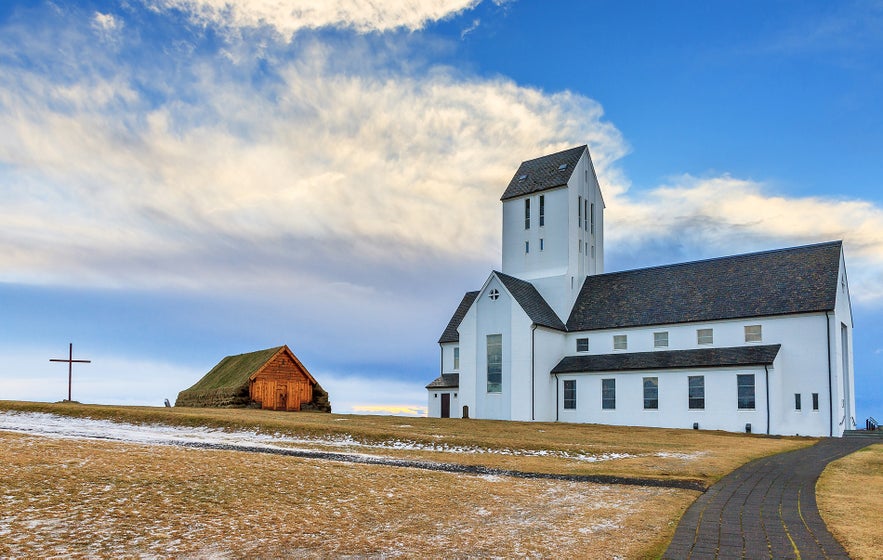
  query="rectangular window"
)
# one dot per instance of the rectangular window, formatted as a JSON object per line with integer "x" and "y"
{"x": 753, "y": 333}
{"x": 527, "y": 247}
{"x": 526, "y": 213}
{"x": 586, "y": 215}
{"x": 745, "y": 391}
{"x": 704, "y": 336}
{"x": 542, "y": 244}
{"x": 696, "y": 391}
{"x": 580, "y": 250}
{"x": 608, "y": 394}
{"x": 456, "y": 357}
{"x": 579, "y": 211}
{"x": 620, "y": 342}
{"x": 494, "y": 363}
{"x": 815, "y": 401}
{"x": 660, "y": 339}
{"x": 570, "y": 394}
{"x": 542, "y": 210}
{"x": 797, "y": 401}
{"x": 582, "y": 344}
{"x": 592, "y": 218}
{"x": 651, "y": 393}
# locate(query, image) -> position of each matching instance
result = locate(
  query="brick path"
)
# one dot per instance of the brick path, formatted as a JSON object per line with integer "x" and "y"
{"x": 764, "y": 509}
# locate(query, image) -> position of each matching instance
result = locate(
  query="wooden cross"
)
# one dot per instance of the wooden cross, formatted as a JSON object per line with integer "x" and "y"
{"x": 70, "y": 367}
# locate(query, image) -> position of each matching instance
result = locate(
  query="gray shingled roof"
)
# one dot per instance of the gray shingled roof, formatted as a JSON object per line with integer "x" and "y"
{"x": 741, "y": 356}
{"x": 785, "y": 281}
{"x": 531, "y": 302}
{"x": 451, "y": 334}
{"x": 543, "y": 173}
{"x": 445, "y": 381}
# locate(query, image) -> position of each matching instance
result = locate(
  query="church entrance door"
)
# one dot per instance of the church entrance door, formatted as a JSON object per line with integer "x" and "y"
{"x": 446, "y": 405}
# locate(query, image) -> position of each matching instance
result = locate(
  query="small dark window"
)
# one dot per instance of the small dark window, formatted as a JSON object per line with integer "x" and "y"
{"x": 796, "y": 401}
{"x": 542, "y": 210}
{"x": 570, "y": 394}
{"x": 608, "y": 394}
{"x": 696, "y": 391}
{"x": 815, "y": 401}
{"x": 582, "y": 344}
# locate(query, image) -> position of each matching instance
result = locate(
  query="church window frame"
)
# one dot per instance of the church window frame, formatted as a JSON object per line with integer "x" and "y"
{"x": 494, "y": 367}
{"x": 651, "y": 393}
{"x": 494, "y": 294}
{"x": 753, "y": 333}
{"x": 696, "y": 392}
{"x": 608, "y": 394}
{"x": 582, "y": 344}
{"x": 542, "y": 210}
{"x": 570, "y": 394}
{"x": 620, "y": 342}
{"x": 746, "y": 391}
{"x": 526, "y": 213}
{"x": 456, "y": 357}
{"x": 660, "y": 339}
{"x": 704, "y": 336}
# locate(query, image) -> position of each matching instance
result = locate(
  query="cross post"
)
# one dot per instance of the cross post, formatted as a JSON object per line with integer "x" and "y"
{"x": 70, "y": 367}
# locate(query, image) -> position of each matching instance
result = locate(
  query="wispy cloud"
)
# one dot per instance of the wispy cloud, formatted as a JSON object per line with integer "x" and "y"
{"x": 289, "y": 17}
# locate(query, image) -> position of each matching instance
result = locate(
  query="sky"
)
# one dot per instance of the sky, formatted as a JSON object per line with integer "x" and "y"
{"x": 183, "y": 180}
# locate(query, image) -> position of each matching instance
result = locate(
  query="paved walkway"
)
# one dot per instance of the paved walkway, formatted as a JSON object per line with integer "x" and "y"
{"x": 765, "y": 509}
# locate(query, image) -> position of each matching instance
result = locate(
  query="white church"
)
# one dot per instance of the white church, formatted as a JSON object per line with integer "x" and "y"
{"x": 758, "y": 342}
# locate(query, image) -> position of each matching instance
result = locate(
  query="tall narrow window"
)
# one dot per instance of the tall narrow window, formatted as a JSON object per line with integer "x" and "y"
{"x": 542, "y": 210}
{"x": 579, "y": 211}
{"x": 586, "y": 215}
{"x": 704, "y": 336}
{"x": 542, "y": 244}
{"x": 592, "y": 218}
{"x": 570, "y": 394}
{"x": 526, "y": 213}
{"x": 494, "y": 363}
{"x": 797, "y": 401}
{"x": 660, "y": 339}
{"x": 651, "y": 393}
{"x": 582, "y": 344}
{"x": 815, "y": 401}
{"x": 696, "y": 391}
{"x": 527, "y": 247}
{"x": 620, "y": 342}
{"x": 753, "y": 333}
{"x": 456, "y": 357}
{"x": 745, "y": 391}
{"x": 608, "y": 394}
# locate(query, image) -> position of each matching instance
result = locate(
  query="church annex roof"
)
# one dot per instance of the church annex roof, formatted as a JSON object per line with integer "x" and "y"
{"x": 451, "y": 334}
{"x": 544, "y": 173}
{"x": 739, "y": 356}
{"x": 527, "y": 296}
{"x": 784, "y": 281}
{"x": 445, "y": 381}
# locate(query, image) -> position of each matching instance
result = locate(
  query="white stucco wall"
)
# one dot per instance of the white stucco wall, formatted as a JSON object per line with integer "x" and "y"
{"x": 433, "y": 409}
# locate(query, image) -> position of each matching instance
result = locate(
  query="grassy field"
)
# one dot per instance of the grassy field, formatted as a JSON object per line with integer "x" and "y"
{"x": 87, "y": 498}
{"x": 850, "y": 498}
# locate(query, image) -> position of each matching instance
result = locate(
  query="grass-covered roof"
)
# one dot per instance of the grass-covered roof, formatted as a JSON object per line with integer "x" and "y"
{"x": 227, "y": 383}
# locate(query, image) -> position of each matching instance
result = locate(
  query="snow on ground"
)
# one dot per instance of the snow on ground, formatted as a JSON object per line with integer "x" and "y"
{"x": 53, "y": 425}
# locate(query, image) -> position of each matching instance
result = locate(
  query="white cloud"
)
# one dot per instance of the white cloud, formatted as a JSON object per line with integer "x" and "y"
{"x": 290, "y": 16}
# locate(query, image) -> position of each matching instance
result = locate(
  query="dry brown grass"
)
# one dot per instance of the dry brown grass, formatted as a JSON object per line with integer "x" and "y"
{"x": 850, "y": 499}
{"x": 69, "y": 498}
{"x": 658, "y": 453}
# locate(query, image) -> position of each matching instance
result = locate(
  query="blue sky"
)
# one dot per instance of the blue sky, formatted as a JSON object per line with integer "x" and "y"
{"x": 187, "y": 179}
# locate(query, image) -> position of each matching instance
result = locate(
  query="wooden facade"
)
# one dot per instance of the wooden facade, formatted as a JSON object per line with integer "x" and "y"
{"x": 282, "y": 383}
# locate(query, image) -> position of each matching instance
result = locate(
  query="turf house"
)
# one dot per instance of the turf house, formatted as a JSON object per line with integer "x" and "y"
{"x": 272, "y": 379}
{"x": 755, "y": 342}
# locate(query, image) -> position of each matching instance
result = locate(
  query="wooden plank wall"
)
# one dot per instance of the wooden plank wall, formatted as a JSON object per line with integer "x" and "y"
{"x": 285, "y": 375}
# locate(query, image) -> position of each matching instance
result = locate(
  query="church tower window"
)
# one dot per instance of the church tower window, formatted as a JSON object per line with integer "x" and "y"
{"x": 526, "y": 213}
